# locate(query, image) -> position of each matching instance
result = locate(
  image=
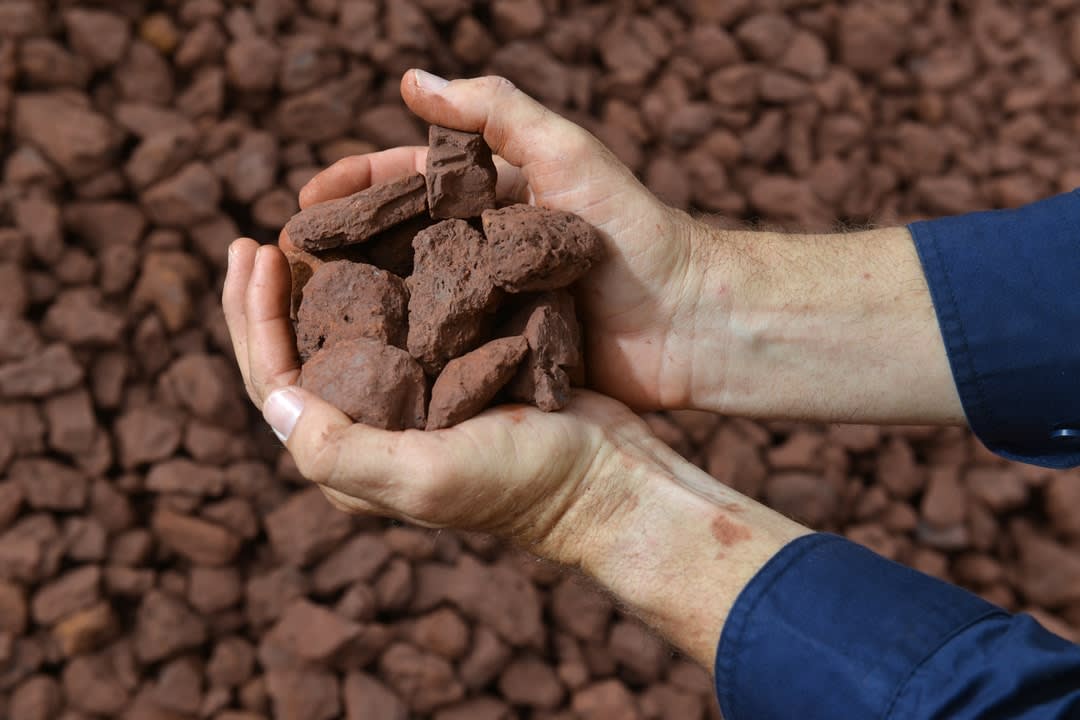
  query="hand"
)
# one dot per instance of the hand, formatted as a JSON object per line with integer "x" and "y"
{"x": 589, "y": 486}
{"x": 638, "y": 305}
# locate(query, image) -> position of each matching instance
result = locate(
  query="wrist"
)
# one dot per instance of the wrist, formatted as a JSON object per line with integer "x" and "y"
{"x": 827, "y": 327}
{"x": 682, "y": 546}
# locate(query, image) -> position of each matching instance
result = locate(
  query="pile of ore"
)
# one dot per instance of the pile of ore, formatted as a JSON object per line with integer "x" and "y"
{"x": 394, "y": 285}
{"x": 158, "y": 551}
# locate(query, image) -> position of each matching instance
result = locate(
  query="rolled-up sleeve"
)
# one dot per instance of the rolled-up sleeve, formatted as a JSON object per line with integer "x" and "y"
{"x": 828, "y": 629}
{"x": 1006, "y": 289}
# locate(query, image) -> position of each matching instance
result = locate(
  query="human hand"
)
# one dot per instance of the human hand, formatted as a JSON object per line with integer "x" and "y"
{"x": 638, "y": 304}
{"x": 589, "y": 487}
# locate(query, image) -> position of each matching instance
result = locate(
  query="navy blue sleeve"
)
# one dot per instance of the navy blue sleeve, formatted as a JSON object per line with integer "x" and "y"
{"x": 828, "y": 629}
{"x": 1006, "y": 289}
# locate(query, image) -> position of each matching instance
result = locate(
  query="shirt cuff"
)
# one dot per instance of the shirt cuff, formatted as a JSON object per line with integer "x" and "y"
{"x": 1004, "y": 285}
{"x": 829, "y": 629}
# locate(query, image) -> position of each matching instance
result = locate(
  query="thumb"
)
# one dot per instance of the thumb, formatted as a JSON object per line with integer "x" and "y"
{"x": 515, "y": 126}
{"x": 363, "y": 462}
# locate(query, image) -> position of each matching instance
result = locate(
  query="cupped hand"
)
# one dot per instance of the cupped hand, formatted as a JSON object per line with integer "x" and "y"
{"x": 643, "y": 333}
{"x": 542, "y": 480}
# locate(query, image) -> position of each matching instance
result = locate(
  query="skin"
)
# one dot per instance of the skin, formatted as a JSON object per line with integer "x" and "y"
{"x": 678, "y": 315}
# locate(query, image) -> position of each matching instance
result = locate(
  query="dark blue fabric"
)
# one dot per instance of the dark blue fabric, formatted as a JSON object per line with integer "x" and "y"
{"x": 828, "y": 629}
{"x": 1006, "y": 288}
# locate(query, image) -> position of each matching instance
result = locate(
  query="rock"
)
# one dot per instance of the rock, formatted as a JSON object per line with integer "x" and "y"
{"x": 306, "y": 527}
{"x": 93, "y": 685}
{"x": 605, "y": 700}
{"x": 308, "y": 694}
{"x": 638, "y": 650}
{"x": 357, "y": 560}
{"x": 75, "y": 590}
{"x": 344, "y": 300}
{"x": 442, "y": 632}
{"x": 550, "y": 326}
{"x": 191, "y": 195}
{"x": 423, "y": 681}
{"x": 49, "y": 485}
{"x": 450, "y": 293}
{"x": 357, "y": 218}
{"x": 468, "y": 383}
{"x": 1000, "y": 489}
{"x": 498, "y": 597}
{"x": 145, "y": 435}
{"x": 366, "y": 697}
{"x": 79, "y": 140}
{"x": 165, "y": 626}
{"x": 460, "y": 174}
{"x": 531, "y": 249}
{"x": 52, "y": 369}
{"x": 86, "y": 629}
{"x": 197, "y": 540}
{"x": 531, "y": 682}
{"x": 100, "y": 36}
{"x": 372, "y": 383}
{"x": 310, "y": 632}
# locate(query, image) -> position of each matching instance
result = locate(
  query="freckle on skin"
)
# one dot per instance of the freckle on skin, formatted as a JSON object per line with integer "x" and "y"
{"x": 866, "y": 276}
{"x": 727, "y": 532}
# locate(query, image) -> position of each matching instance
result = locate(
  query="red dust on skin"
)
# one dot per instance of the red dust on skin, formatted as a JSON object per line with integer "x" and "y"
{"x": 727, "y": 532}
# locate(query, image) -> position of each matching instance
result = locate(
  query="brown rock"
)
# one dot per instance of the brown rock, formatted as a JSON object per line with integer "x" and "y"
{"x": 550, "y": 326}
{"x": 231, "y": 662}
{"x": 93, "y": 685}
{"x": 73, "y": 591}
{"x": 499, "y": 597}
{"x": 944, "y": 504}
{"x": 1049, "y": 573}
{"x": 484, "y": 707}
{"x": 468, "y": 383}
{"x": 1000, "y": 489}
{"x": 79, "y": 140}
{"x": 372, "y": 383}
{"x": 442, "y": 632}
{"x": 607, "y": 700}
{"x": 253, "y": 63}
{"x": 13, "y": 610}
{"x": 486, "y": 658}
{"x": 72, "y": 425}
{"x": 306, "y": 527}
{"x": 311, "y": 632}
{"x": 638, "y": 650}
{"x": 346, "y": 300}
{"x": 357, "y": 218}
{"x": 85, "y": 630}
{"x": 36, "y": 698}
{"x": 807, "y": 497}
{"x": 268, "y": 594}
{"x": 145, "y": 435}
{"x": 460, "y": 174}
{"x": 48, "y": 485}
{"x": 531, "y": 682}
{"x": 580, "y": 609}
{"x": 191, "y": 195}
{"x": 77, "y": 317}
{"x": 42, "y": 373}
{"x": 197, "y": 540}
{"x": 766, "y": 36}
{"x": 531, "y": 249}
{"x": 1062, "y": 498}
{"x": 366, "y": 697}
{"x": 423, "y": 681}
{"x": 165, "y": 626}
{"x": 358, "y": 560}
{"x": 450, "y": 295}
{"x": 304, "y": 694}
{"x": 100, "y": 36}
{"x": 868, "y": 38}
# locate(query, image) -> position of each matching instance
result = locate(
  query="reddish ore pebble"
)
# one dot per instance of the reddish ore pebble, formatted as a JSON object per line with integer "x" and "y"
{"x": 345, "y": 300}
{"x": 468, "y": 383}
{"x": 533, "y": 249}
{"x": 550, "y": 326}
{"x": 357, "y": 218}
{"x": 460, "y": 174}
{"x": 372, "y": 383}
{"x": 451, "y": 294}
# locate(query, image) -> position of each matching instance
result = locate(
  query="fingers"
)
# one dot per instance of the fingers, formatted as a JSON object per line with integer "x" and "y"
{"x": 271, "y": 348}
{"x": 518, "y": 128}
{"x": 357, "y": 461}
{"x": 241, "y": 263}
{"x": 353, "y": 174}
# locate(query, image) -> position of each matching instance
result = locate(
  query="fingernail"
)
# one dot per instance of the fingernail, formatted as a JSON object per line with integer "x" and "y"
{"x": 282, "y": 409}
{"x": 432, "y": 83}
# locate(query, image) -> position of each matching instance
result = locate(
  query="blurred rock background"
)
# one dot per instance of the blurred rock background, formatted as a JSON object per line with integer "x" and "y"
{"x": 159, "y": 555}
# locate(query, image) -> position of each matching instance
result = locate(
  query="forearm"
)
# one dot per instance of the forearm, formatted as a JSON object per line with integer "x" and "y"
{"x": 834, "y": 327}
{"x": 680, "y": 547}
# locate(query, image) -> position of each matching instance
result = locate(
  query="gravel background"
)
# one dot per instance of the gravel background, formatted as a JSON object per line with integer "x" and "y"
{"x": 159, "y": 557}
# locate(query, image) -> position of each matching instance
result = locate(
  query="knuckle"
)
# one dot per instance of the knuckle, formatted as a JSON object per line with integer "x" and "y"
{"x": 321, "y": 463}
{"x": 499, "y": 85}
{"x": 428, "y": 489}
